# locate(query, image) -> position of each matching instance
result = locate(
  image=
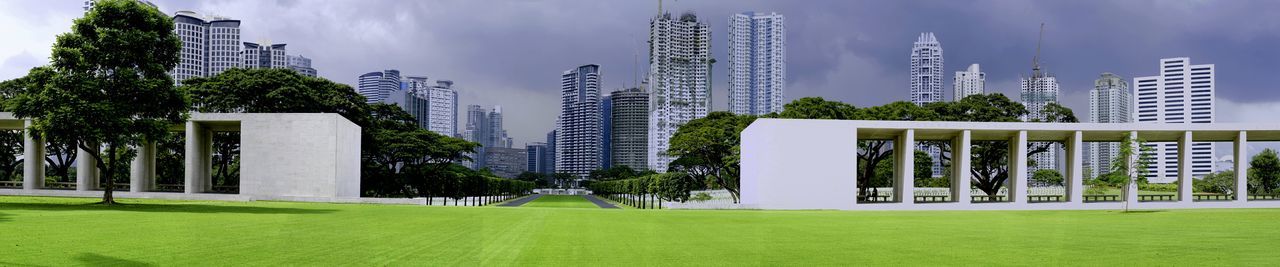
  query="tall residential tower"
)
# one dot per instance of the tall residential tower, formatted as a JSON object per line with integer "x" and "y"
{"x": 926, "y": 70}
{"x": 209, "y": 45}
{"x": 579, "y": 143}
{"x": 969, "y": 82}
{"x": 757, "y": 63}
{"x": 1109, "y": 102}
{"x": 679, "y": 79}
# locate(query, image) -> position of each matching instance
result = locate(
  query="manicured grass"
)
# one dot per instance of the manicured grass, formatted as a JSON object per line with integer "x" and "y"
{"x": 69, "y": 231}
{"x": 561, "y": 201}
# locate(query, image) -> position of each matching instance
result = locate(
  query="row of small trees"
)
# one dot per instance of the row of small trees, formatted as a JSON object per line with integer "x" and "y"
{"x": 647, "y": 192}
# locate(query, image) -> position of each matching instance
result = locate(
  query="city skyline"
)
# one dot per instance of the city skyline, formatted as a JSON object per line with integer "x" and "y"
{"x": 843, "y": 51}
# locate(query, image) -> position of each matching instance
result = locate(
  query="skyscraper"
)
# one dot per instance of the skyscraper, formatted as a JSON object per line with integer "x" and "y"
{"x": 538, "y": 156}
{"x": 757, "y": 63}
{"x": 1109, "y": 102}
{"x": 606, "y": 132}
{"x": 444, "y": 108}
{"x": 926, "y": 70}
{"x": 1038, "y": 90}
{"x": 506, "y": 162}
{"x": 264, "y": 56}
{"x": 497, "y": 133}
{"x": 551, "y": 151}
{"x": 413, "y": 99}
{"x": 1181, "y": 93}
{"x": 629, "y": 119}
{"x": 485, "y": 127}
{"x": 579, "y": 123}
{"x": 926, "y": 84}
{"x": 209, "y": 45}
{"x": 971, "y": 81}
{"x": 377, "y": 86}
{"x": 679, "y": 77}
{"x": 302, "y": 65}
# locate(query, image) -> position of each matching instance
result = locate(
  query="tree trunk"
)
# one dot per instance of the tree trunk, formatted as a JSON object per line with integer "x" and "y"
{"x": 107, "y": 198}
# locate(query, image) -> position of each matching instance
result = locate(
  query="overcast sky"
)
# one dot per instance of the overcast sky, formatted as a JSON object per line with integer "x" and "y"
{"x": 511, "y": 53}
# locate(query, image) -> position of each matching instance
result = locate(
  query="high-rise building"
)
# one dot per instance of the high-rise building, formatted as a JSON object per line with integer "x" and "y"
{"x": 264, "y": 56}
{"x": 302, "y": 65}
{"x": 1181, "y": 93}
{"x": 444, "y": 108}
{"x": 485, "y": 127}
{"x": 926, "y": 84}
{"x": 579, "y": 123}
{"x": 969, "y": 82}
{"x": 679, "y": 79}
{"x": 539, "y": 158}
{"x": 497, "y": 134}
{"x": 551, "y": 151}
{"x": 1038, "y": 90}
{"x": 926, "y": 70}
{"x": 606, "y": 132}
{"x": 377, "y": 86}
{"x": 757, "y": 63}
{"x": 209, "y": 45}
{"x": 1109, "y": 102}
{"x": 505, "y": 162}
{"x": 413, "y": 99}
{"x": 629, "y": 141}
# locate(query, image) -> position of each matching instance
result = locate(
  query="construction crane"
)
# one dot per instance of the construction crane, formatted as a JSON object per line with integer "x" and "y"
{"x": 1035, "y": 61}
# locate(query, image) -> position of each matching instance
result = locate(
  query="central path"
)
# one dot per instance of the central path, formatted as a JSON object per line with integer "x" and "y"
{"x": 600, "y": 202}
{"x": 518, "y": 202}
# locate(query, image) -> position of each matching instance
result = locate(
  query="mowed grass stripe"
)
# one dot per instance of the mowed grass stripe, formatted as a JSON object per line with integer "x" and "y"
{"x": 66, "y": 231}
{"x": 561, "y": 201}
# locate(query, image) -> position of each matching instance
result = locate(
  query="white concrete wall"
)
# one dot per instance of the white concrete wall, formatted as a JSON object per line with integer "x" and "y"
{"x": 299, "y": 155}
{"x": 814, "y": 168}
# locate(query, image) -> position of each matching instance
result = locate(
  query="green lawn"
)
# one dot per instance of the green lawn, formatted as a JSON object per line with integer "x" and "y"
{"x": 561, "y": 201}
{"x": 70, "y": 231}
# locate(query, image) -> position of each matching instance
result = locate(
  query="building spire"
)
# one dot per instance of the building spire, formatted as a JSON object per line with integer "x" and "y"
{"x": 1035, "y": 61}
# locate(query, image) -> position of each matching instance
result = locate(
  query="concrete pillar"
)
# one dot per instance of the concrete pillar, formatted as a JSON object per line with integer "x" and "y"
{"x": 1131, "y": 191}
{"x": 142, "y": 172}
{"x": 199, "y": 145}
{"x": 86, "y": 170}
{"x": 1184, "y": 168}
{"x": 1242, "y": 167}
{"x": 961, "y": 159}
{"x": 904, "y": 152}
{"x": 854, "y": 162}
{"x": 1075, "y": 168}
{"x": 1018, "y": 168}
{"x": 33, "y": 155}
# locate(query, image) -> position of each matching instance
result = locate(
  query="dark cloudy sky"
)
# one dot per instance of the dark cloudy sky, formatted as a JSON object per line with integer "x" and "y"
{"x": 511, "y": 53}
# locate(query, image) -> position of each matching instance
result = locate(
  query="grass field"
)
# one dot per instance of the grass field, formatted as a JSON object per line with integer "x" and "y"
{"x": 561, "y": 201}
{"x": 69, "y": 231}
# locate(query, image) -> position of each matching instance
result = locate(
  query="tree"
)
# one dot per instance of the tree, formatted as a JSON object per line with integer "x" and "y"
{"x": 540, "y": 180}
{"x": 1264, "y": 168}
{"x": 1130, "y": 165}
{"x": 108, "y": 85}
{"x": 673, "y": 186}
{"x": 612, "y": 173}
{"x": 1223, "y": 182}
{"x": 711, "y": 144}
{"x": 923, "y": 165}
{"x": 1048, "y": 176}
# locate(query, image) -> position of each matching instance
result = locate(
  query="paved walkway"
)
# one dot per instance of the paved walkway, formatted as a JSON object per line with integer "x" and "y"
{"x": 599, "y": 202}
{"x": 522, "y": 201}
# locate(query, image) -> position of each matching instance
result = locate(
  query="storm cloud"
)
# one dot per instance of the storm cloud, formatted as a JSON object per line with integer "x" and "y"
{"x": 511, "y": 53}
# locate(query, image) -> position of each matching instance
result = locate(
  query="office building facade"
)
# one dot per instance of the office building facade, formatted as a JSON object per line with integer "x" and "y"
{"x": 209, "y": 45}
{"x": 629, "y": 128}
{"x": 1181, "y": 93}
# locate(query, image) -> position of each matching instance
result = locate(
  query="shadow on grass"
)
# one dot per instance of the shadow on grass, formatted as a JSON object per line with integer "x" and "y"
{"x": 1140, "y": 211}
{"x": 142, "y": 207}
{"x": 94, "y": 259}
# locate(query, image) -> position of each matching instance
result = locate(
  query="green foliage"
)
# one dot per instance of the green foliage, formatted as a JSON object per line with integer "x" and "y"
{"x": 538, "y": 179}
{"x": 1264, "y": 172}
{"x": 923, "y": 165}
{"x": 707, "y": 148}
{"x": 108, "y": 85}
{"x": 816, "y": 108}
{"x": 1048, "y": 176}
{"x": 613, "y": 173}
{"x": 700, "y": 196}
{"x": 672, "y": 186}
{"x": 1223, "y": 182}
{"x": 1158, "y": 187}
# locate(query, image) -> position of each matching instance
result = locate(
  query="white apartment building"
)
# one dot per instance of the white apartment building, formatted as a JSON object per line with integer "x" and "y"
{"x": 926, "y": 70}
{"x": 209, "y": 45}
{"x": 679, "y": 79}
{"x": 1110, "y": 101}
{"x": 301, "y": 64}
{"x": 264, "y": 56}
{"x": 757, "y": 63}
{"x": 1181, "y": 93}
{"x": 443, "y": 114}
{"x": 971, "y": 81}
{"x": 579, "y": 143}
{"x": 1038, "y": 90}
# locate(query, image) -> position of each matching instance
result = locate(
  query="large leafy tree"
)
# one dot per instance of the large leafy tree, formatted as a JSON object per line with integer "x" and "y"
{"x": 1264, "y": 170}
{"x": 108, "y": 86}
{"x": 709, "y": 147}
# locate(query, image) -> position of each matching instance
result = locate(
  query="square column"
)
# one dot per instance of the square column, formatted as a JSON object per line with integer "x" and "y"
{"x": 1242, "y": 167}
{"x": 1184, "y": 168}
{"x": 1018, "y": 168}
{"x": 1075, "y": 168}
{"x": 33, "y": 155}
{"x": 961, "y": 159}
{"x": 86, "y": 170}
{"x": 1131, "y": 187}
{"x": 199, "y": 159}
{"x": 142, "y": 173}
{"x": 904, "y": 153}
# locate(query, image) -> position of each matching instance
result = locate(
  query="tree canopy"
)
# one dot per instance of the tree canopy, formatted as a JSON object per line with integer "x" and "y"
{"x": 708, "y": 148}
